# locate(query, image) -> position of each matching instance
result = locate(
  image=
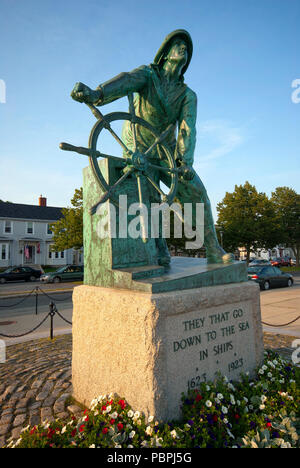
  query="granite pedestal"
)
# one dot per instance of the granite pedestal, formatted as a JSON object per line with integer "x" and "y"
{"x": 150, "y": 347}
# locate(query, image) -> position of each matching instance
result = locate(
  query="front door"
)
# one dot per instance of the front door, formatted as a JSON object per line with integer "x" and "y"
{"x": 29, "y": 254}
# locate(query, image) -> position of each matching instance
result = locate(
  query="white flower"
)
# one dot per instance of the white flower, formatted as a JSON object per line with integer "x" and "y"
{"x": 281, "y": 381}
{"x": 264, "y": 367}
{"x": 232, "y": 399}
{"x": 118, "y": 446}
{"x": 286, "y": 445}
{"x": 25, "y": 429}
{"x": 149, "y": 430}
{"x": 130, "y": 414}
{"x": 246, "y": 400}
{"x": 130, "y": 446}
{"x": 208, "y": 388}
{"x": 131, "y": 434}
{"x": 262, "y": 407}
{"x": 145, "y": 443}
{"x": 217, "y": 401}
{"x": 136, "y": 415}
{"x": 261, "y": 372}
{"x": 63, "y": 429}
{"x": 263, "y": 398}
{"x": 150, "y": 419}
{"x": 208, "y": 404}
{"x": 114, "y": 415}
{"x": 173, "y": 434}
{"x": 108, "y": 409}
{"x": 225, "y": 421}
{"x": 224, "y": 410}
{"x": 220, "y": 396}
{"x": 92, "y": 446}
{"x": 138, "y": 422}
{"x": 270, "y": 375}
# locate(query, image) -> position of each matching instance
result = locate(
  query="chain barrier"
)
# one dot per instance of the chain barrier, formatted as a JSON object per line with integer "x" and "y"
{"x": 36, "y": 291}
{"x": 20, "y": 302}
{"x": 282, "y": 325}
{"x": 51, "y": 314}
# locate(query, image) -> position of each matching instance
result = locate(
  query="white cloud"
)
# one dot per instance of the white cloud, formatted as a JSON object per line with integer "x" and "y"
{"x": 217, "y": 138}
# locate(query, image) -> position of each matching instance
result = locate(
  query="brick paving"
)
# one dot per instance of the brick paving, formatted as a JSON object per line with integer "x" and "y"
{"x": 35, "y": 382}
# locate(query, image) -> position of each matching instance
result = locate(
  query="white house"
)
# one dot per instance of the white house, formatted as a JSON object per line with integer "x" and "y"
{"x": 25, "y": 235}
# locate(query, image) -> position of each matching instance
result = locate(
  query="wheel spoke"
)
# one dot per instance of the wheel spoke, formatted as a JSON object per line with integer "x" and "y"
{"x": 106, "y": 125}
{"x": 88, "y": 152}
{"x": 132, "y": 112}
{"x": 159, "y": 139}
{"x": 155, "y": 186}
{"x": 163, "y": 169}
{"x": 143, "y": 225}
{"x": 108, "y": 194}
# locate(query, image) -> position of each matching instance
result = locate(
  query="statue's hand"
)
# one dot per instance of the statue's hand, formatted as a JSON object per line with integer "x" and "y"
{"x": 186, "y": 172}
{"x": 83, "y": 93}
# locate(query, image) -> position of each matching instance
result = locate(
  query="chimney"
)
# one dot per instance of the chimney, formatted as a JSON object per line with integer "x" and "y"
{"x": 42, "y": 201}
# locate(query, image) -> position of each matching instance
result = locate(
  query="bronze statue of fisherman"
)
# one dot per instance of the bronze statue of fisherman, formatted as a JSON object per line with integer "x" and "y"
{"x": 163, "y": 99}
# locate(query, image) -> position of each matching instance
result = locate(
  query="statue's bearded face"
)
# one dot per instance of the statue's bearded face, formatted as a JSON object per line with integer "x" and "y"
{"x": 178, "y": 52}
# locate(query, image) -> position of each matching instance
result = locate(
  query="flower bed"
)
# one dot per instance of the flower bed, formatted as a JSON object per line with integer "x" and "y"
{"x": 258, "y": 412}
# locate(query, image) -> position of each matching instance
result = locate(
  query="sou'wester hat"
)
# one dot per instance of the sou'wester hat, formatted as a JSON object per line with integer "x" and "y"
{"x": 164, "y": 48}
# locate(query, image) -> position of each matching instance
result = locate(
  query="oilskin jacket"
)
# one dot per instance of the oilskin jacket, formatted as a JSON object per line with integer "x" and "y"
{"x": 160, "y": 103}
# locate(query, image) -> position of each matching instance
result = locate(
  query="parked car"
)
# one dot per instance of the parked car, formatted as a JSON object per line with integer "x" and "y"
{"x": 269, "y": 277}
{"x": 281, "y": 261}
{"x": 21, "y": 273}
{"x": 65, "y": 273}
{"x": 259, "y": 262}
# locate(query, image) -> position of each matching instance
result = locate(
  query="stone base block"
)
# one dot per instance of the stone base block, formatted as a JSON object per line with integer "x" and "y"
{"x": 149, "y": 348}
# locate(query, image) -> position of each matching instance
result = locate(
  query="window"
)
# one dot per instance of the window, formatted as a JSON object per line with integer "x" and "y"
{"x": 4, "y": 251}
{"x": 8, "y": 227}
{"x": 49, "y": 232}
{"x": 50, "y": 254}
{"x": 56, "y": 254}
{"x": 29, "y": 229}
{"x": 62, "y": 254}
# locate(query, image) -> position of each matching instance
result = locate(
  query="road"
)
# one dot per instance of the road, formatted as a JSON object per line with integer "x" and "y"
{"x": 278, "y": 306}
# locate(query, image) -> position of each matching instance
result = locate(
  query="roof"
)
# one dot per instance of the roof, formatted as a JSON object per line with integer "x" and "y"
{"x": 34, "y": 212}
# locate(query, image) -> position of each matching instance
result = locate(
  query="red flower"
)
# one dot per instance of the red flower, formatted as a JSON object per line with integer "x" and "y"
{"x": 215, "y": 418}
{"x": 103, "y": 408}
{"x": 199, "y": 398}
{"x": 81, "y": 429}
{"x": 237, "y": 417}
{"x": 268, "y": 424}
{"x": 33, "y": 430}
{"x": 112, "y": 421}
{"x": 73, "y": 433}
{"x": 122, "y": 404}
{"x": 120, "y": 426}
{"x": 105, "y": 430}
{"x": 87, "y": 418}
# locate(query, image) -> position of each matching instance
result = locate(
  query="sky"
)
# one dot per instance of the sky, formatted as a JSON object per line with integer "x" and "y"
{"x": 245, "y": 60}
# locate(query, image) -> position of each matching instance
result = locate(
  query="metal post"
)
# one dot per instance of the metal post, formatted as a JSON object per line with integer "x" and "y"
{"x": 36, "y": 301}
{"x": 52, "y": 313}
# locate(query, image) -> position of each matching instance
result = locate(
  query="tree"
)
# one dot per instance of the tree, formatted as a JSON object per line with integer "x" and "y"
{"x": 247, "y": 219}
{"x": 68, "y": 231}
{"x": 286, "y": 203}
